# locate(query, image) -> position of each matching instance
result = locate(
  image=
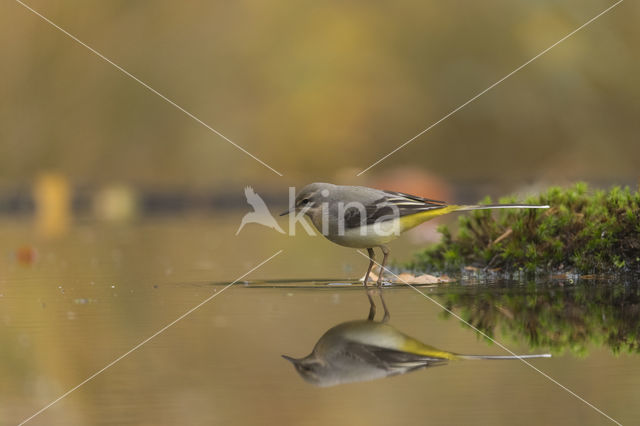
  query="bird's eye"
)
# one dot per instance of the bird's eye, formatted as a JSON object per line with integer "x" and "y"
{"x": 304, "y": 201}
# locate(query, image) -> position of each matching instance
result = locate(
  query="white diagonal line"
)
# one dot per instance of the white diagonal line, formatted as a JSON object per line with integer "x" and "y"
{"x": 492, "y": 86}
{"x": 151, "y": 89}
{"x": 148, "y": 339}
{"x": 498, "y": 343}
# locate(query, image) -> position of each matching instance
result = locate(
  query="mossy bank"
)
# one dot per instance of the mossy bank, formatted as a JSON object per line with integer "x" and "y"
{"x": 583, "y": 231}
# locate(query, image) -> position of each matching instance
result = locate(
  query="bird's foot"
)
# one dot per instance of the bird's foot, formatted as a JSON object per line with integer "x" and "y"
{"x": 382, "y": 283}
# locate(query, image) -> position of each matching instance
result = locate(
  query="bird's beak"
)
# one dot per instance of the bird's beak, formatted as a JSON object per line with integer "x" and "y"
{"x": 289, "y": 210}
{"x": 288, "y": 358}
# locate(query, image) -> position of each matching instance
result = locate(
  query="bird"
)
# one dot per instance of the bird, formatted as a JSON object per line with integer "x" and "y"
{"x": 260, "y": 213}
{"x": 364, "y": 350}
{"x": 361, "y": 217}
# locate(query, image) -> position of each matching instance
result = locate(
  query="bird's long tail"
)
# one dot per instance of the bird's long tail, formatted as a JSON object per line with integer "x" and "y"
{"x": 498, "y": 206}
{"x": 504, "y": 356}
{"x": 409, "y": 221}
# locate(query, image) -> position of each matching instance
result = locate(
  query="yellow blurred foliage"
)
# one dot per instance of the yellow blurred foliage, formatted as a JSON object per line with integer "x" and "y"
{"x": 52, "y": 195}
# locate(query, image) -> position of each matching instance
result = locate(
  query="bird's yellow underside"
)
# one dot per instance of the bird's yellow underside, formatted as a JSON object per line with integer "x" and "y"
{"x": 413, "y": 220}
{"x": 415, "y": 347}
{"x": 383, "y": 335}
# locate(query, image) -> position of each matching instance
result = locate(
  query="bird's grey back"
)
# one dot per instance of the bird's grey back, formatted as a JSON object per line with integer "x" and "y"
{"x": 359, "y": 194}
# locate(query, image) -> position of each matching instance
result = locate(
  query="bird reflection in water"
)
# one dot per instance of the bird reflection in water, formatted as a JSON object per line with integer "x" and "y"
{"x": 364, "y": 350}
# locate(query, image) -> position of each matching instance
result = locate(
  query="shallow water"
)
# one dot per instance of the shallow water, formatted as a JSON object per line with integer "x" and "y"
{"x": 84, "y": 300}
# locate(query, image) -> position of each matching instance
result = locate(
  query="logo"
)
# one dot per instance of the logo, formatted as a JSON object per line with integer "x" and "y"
{"x": 260, "y": 213}
{"x": 331, "y": 217}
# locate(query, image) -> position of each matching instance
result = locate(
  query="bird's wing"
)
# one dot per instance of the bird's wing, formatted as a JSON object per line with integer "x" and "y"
{"x": 401, "y": 197}
{"x": 393, "y": 361}
{"x": 390, "y": 205}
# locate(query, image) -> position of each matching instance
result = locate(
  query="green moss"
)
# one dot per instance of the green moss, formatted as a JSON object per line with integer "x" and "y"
{"x": 557, "y": 318}
{"x": 583, "y": 231}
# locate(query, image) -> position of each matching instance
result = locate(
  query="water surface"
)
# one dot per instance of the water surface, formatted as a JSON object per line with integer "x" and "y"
{"x": 85, "y": 299}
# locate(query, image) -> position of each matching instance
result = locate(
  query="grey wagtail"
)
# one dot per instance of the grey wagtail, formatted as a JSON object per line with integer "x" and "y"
{"x": 358, "y": 351}
{"x": 361, "y": 217}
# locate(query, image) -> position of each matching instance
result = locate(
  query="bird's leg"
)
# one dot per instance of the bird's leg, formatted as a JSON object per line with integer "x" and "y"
{"x": 385, "y": 252}
{"x": 387, "y": 316}
{"x": 372, "y": 257}
{"x": 372, "y": 309}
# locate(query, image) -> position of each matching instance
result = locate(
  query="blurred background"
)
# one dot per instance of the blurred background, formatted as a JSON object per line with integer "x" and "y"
{"x": 118, "y": 212}
{"x": 318, "y": 91}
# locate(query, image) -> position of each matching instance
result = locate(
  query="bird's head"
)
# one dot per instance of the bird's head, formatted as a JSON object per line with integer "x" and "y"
{"x": 310, "y": 199}
{"x": 310, "y": 368}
